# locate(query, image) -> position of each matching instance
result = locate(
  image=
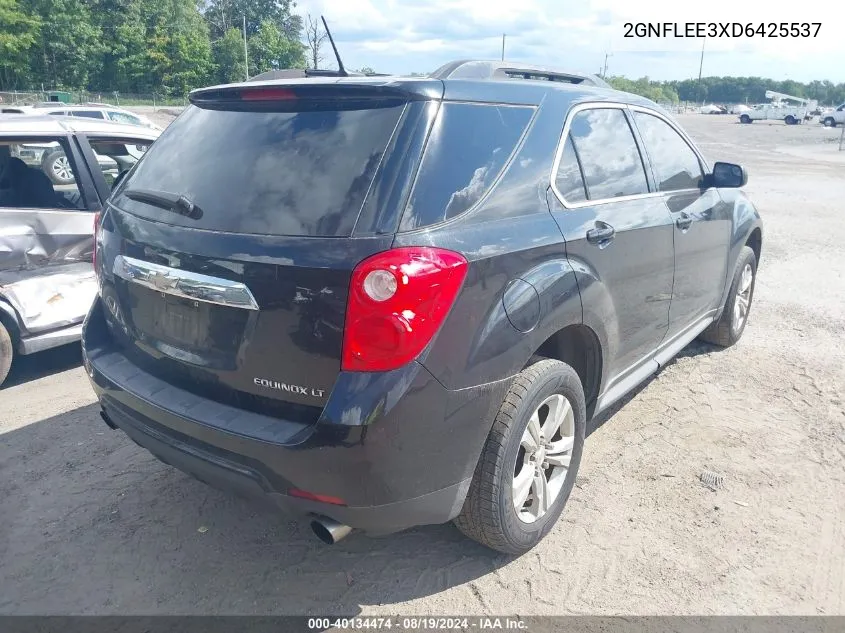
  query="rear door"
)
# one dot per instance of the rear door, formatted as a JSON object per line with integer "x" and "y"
{"x": 702, "y": 221}
{"x": 619, "y": 231}
{"x": 228, "y": 249}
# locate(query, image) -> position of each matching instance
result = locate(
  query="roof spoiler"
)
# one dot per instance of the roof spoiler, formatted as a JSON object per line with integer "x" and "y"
{"x": 484, "y": 69}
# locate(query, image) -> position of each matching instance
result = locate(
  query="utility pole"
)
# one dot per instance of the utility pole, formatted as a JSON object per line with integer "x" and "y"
{"x": 246, "y": 58}
{"x": 503, "y": 47}
{"x": 700, "y": 66}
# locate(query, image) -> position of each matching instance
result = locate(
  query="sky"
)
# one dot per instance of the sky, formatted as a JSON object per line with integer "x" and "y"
{"x": 404, "y": 36}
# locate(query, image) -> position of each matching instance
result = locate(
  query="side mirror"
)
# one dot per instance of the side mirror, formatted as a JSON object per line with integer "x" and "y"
{"x": 729, "y": 176}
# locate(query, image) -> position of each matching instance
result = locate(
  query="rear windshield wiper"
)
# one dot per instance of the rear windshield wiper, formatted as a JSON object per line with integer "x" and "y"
{"x": 165, "y": 200}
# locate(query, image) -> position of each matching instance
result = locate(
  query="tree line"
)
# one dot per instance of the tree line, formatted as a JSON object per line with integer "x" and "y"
{"x": 729, "y": 90}
{"x": 167, "y": 47}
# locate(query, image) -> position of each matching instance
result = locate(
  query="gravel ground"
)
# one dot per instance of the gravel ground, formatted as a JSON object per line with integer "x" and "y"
{"x": 91, "y": 524}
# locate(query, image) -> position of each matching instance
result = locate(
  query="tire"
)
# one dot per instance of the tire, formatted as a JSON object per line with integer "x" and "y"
{"x": 790, "y": 120}
{"x": 489, "y": 515}
{"x": 829, "y": 122}
{"x": 57, "y": 167}
{"x": 729, "y": 328}
{"x": 7, "y": 352}
{"x": 745, "y": 119}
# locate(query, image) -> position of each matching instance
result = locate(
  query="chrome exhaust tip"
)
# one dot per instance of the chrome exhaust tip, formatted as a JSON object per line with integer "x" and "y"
{"x": 328, "y": 530}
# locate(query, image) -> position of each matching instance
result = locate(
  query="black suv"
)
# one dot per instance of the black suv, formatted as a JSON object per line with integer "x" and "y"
{"x": 387, "y": 302}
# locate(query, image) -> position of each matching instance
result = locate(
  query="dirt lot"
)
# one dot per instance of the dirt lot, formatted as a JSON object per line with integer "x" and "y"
{"x": 89, "y": 523}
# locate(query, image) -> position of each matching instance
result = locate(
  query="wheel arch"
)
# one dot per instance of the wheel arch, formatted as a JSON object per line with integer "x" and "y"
{"x": 9, "y": 319}
{"x": 578, "y": 346}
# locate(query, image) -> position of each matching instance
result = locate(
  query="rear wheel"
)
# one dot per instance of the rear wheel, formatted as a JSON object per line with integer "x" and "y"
{"x": 528, "y": 466}
{"x": 790, "y": 120}
{"x": 829, "y": 122}
{"x": 745, "y": 119}
{"x": 730, "y": 326}
{"x": 6, "y": 352}
{"x": 57, "y": 166}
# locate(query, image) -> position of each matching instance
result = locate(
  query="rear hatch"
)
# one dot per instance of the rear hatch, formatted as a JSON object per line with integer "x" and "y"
{"x": 226, "y": 254}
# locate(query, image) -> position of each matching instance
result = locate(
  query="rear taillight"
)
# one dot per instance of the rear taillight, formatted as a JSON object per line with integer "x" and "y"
{"x": 397, "y": 301}
{"x": 97, "y": 238}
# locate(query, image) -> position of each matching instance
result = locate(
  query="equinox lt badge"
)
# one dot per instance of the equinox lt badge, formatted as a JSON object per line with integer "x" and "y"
{"x": 280, "y": 386}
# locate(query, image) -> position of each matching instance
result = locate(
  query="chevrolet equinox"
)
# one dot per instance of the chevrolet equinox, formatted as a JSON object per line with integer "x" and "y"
{"x": 385, "y": 302}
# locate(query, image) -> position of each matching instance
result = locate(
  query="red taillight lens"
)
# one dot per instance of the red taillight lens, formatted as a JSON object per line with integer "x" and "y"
{"x": 97, "y": 227}
{"x": 268, "y": 94}
{"x": 397, "y": 301}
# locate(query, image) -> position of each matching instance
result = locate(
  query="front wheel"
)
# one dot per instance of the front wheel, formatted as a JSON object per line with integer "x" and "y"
{"x": 829, "y": 122}
{"x": 745, "y": 119}
{"x": 790, "y": 120}
{"x": 528, "y": 465}
{"x": 730, "y": 326}
{"x": 7, "y": 352}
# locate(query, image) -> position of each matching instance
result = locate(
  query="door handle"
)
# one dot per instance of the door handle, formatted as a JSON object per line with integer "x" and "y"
{"x": 601, "y": 235}
{"x": 683, "y": 222}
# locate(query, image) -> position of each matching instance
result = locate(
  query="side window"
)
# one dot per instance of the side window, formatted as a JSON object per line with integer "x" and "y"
{"x": 37, "y": 174}
{"x": 608, "y": 153}
{"x": 569, "y": 181}
{"x": 122, "y": 117}
{"x": 117, "y": 156}
{"x": 88, "y": 114}
{"x": 468, "y": 147}
{"x": 675, "y": 164}
{"x": 57, "y": 113}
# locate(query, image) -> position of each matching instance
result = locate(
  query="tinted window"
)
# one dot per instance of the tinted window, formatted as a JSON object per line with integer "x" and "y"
{"x": 569, "y": 181}
{"x": 116, "y": 157}
{"x": 468, "y": 146}
{"x": 88, "y": 114}
{"x": 675, "y": 165}
{"x": 609, "y": 155}
{"x": 281, "y": 173}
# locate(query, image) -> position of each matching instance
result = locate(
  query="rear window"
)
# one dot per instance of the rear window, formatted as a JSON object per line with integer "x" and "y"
{"x": 279, "y": 173}
{"x": 469, "y": 146}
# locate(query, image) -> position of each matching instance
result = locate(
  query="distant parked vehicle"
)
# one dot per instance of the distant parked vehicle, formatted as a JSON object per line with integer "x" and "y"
{"x": 100, "y": 111}
{"x": 47, "y": 281}
{"x": 833, "y": 117}
{"x": 778, "y": 109}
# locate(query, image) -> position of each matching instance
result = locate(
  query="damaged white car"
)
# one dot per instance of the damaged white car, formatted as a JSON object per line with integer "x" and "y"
{"x": 47, "y": 282}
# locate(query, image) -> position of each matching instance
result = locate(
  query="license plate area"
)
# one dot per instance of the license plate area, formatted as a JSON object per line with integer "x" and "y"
{"x": 182, "y": 322}
{"x": 169, "y": 323}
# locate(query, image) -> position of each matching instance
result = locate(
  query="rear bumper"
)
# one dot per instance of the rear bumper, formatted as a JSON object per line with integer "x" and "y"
{"x": 398, "y": 448}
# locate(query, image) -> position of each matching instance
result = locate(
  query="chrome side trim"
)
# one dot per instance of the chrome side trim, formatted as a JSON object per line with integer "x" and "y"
{"x": 184, "y": 284}
{"x": 598, "y": 105}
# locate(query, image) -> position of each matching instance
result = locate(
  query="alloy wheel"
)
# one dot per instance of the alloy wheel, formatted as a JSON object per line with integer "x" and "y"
{"x": 743, "y": 297}
{"x": 543, "y": 459}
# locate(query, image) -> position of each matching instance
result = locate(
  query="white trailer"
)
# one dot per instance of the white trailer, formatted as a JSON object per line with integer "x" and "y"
{"x": 778, "y": 109}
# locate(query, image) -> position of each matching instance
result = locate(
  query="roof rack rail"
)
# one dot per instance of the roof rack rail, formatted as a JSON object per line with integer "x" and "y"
{"x": 484, "y": 69}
